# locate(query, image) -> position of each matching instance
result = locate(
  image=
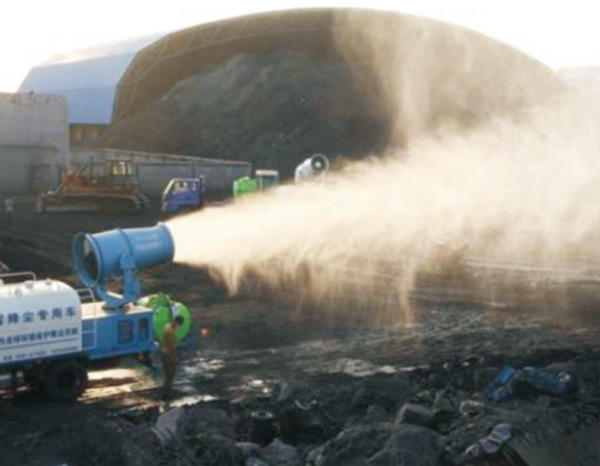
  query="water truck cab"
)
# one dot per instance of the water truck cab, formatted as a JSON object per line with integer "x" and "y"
{"x": 183, "y": 193}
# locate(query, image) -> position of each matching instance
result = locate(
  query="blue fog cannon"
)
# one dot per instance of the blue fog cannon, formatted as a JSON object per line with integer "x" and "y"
{"x": 118, "y": 253}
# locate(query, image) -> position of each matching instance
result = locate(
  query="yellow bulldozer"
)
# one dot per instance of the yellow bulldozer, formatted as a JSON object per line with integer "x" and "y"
{"x": 113, "y": 187}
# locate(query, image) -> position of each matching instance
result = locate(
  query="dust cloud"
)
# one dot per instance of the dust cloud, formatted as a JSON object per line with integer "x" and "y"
{"x": 526, "y": 192}
{"x": 477, "y": 170}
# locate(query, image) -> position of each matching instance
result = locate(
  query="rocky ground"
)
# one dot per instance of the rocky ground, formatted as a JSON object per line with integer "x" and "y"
{"x": 280, "y": 384}
{"x": 338, "y": 394}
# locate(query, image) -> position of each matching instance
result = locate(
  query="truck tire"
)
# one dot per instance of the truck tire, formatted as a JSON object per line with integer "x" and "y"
{"x": 65, "y": 381}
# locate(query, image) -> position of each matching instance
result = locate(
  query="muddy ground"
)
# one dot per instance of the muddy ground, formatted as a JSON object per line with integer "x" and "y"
{"x": 334, "y": 384}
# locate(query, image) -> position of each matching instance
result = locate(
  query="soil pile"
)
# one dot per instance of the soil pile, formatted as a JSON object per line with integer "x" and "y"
{"x": 366, "y": 81}
{"x": 273, "y": 110}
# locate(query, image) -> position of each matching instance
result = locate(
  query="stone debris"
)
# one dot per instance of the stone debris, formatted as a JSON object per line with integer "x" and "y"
{"x": 436, "y": 415}
{"x": 489, "y": 445}
{"x": 281, "y": 454}
{"x": 415, "y": 414}
{"x": 441, "y": 414}
{"x": 168, "y": 427}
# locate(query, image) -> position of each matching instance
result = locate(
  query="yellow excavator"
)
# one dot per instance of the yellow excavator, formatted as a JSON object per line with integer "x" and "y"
{"x": 112, "y": 187}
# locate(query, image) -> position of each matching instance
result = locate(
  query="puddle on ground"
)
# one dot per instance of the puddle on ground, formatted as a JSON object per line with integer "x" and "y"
{"x": 354, "y": 367}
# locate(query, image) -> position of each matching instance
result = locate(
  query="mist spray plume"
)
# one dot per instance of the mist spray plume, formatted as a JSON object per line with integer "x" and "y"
{"x": 523, "y": 187}
{"x": 526, "y": 192}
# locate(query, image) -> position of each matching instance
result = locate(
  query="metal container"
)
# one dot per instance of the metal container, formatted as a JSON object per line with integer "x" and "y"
{"x": 38, "y": 319}
{"x": 262, "y": 428}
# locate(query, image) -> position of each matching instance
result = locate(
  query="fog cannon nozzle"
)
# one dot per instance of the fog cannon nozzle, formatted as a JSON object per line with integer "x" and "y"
{"x": 312, "y": 167}
{"x": 120, "y": 253}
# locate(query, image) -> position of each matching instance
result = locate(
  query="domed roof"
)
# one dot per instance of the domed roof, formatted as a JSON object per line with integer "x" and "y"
{"x": 88, "y": 78}
{"x": 364, "y": 37}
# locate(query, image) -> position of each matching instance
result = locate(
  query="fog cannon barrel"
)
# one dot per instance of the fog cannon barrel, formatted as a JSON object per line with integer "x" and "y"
{"x": 120, "y": 253}
{"x": 313, "y": 166}
{"x": 319, "y": 163}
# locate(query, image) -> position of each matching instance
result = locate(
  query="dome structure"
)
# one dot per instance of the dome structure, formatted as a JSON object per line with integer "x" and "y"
{"x": 87, "y": 78}
{"x": 324, "y": 34}
{"x": 272, "y": 88}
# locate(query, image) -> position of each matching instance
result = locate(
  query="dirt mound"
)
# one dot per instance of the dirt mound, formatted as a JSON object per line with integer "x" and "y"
{"x": 273, "y": 110}
{"x": 358, "y": 83}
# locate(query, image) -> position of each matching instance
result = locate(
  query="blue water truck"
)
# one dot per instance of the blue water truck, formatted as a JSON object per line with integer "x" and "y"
{"x": 183, "y": 194}
{"x": 51, "y": 334}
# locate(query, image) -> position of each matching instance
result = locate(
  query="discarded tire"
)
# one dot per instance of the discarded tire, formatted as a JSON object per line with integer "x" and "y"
{"x": 65, "y": 381}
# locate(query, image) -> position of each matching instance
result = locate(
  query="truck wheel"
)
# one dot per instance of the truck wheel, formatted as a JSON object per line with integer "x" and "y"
{"x": 65, "y": 381}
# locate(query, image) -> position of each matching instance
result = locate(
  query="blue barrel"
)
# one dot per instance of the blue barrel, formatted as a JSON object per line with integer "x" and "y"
{"x": 556, "y": 384}
{"x": 98, "y": 257}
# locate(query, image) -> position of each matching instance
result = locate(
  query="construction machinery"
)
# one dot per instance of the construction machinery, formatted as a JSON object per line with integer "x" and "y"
{"x": 313, "y": 168}
{"x": 263, "y": 180}
{"x": 112, "y": 187}
{"x": 181, "y": 194}
{"x": 51, "y": 334}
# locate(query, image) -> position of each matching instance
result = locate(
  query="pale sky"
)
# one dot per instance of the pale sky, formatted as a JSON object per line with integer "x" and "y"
{"x": 559, "y": 33}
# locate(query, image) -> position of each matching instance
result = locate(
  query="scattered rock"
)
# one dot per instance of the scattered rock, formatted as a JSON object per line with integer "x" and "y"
{"x": 381, "y": 444}
{"x": 375, "y": 413}
{"x": 202, "y": 420}
{"x": 415, "y": 414}
{"x": 217, "y": 450}
{"x": 424, "y": 397}
{"x": 315, "y": 455}
{"x": 578, "y": 449}
{"x": 443, "y": 407}
{"x": 302, "y": 423}
{"x": 471, "y": 408}
{"x": 169, "y": 427}
{"x": 413, "y": 446}
{"x": 291, "y": 390}
{"x": 101, "y": 442}
{"x": 489, "y": 445}
{"x": 388, "y": 393}
{"x": 248, "y": 449}
{"x": 252, "y": 461}
{"x": 281, "y": 454}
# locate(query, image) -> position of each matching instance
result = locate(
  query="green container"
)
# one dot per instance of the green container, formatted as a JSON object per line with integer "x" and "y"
{"x": 243, "y": 186}
{"x": 165, "y": 310}
{"x": 266, "y": 179}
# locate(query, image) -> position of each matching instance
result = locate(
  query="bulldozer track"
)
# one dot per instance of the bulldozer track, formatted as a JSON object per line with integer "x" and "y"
{"x": 135, "y": 204}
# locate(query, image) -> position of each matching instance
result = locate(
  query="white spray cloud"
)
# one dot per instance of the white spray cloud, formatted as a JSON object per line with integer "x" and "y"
{"x": 525, "y": 190}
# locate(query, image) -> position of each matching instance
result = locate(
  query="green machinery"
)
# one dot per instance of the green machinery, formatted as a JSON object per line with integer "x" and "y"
{"x": 263, "y": 180}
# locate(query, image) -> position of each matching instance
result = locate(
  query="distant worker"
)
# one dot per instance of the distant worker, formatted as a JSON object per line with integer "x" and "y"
{"x": 9, "y": 209}
{"x": 169, "y": 354}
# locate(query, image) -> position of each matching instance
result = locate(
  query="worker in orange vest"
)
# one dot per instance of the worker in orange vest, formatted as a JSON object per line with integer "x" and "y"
{"x": 169, "y": 354}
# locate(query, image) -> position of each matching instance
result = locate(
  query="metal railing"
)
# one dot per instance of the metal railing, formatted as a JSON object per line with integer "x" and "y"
{"x": 86, "y": 295}
{"x": 15, "y": 275}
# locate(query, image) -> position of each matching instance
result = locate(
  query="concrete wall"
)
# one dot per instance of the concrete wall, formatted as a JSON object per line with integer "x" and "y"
{"x": 34, "y": 137}
{"x": 156, "y": 170}
{"x": 26, "y": 169}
